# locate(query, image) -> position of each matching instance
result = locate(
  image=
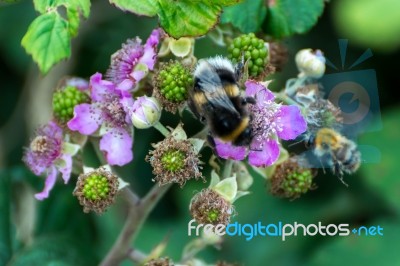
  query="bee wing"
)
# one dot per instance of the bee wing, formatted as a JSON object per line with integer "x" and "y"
{"x": 211, "y": 85}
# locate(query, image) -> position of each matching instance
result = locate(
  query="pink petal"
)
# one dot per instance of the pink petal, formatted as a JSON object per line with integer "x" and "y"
{"x": 117, "y": 145}
{"x": 138, "y": 75}
{"x": 150, "y": 49}
{"x": 49, "y": 184}
{"x": 127, "y": 103}
{"x": 257, "y": 90}
{"x": 79, "y": 83}
{"x": 267, "y": 156}
{"x": 99, "y": 87}
{"x": 229, "y": 151}
{"x": 86, "y": 119}
{"x": 125, "y": 85}
{"x": 292, "y": 122}
{"x": 66, "y": 170}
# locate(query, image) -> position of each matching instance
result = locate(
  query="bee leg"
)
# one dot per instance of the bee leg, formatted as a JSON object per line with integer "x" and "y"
{"x": 239, "y": 68}
{"x": 339, "y": 172}
{"x": 211, "y": 141}
{"x": 214, "y": 163}
{"x": 342, "y": 180}
{"x": 248, "y": 100}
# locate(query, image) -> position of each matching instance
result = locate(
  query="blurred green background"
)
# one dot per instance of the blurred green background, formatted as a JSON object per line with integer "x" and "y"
{"x": 56, "y": 232}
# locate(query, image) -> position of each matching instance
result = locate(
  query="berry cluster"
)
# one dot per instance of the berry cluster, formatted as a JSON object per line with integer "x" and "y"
{"x": 173, "y": 81}
{"x": 173, "y": 160}
{"x": 297, "y": 183}
{"x": 96, "y": 187}
{"x": 252, "y": 49}
{"x": 65, "y": 100}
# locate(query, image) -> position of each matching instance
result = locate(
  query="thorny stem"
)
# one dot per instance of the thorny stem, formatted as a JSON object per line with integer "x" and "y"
{"x": 163, "y": 130}
{"x": 137, "y": 214}
{"x": 139, "y": 209}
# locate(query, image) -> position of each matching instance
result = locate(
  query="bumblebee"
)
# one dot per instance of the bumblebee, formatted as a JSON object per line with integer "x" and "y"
{"x": 336, "y": 151}
{"x": 216, "y": 101}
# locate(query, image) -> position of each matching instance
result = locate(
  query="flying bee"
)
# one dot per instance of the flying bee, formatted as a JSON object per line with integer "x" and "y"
{"x": 216, "y": 100}
{"x": 336, "y": 151}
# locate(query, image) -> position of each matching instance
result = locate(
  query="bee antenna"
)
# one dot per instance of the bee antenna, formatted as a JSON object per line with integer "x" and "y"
{"x": 342, "y": 180}
{"x": 295, "y": 143}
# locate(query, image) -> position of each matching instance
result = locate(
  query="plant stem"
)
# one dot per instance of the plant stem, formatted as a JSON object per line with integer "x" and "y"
{"x": 227, "y": 169}
{"x": 163, "y": 130}
{"x": 137, "y": 214}
{"x": 286, "y": 99}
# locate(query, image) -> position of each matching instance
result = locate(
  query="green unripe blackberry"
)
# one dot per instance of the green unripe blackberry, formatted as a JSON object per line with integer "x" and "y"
{"x": 64, "y": 101}
{"x": 297, "y": 183}
{"x": 96, "y": 187}
{"x": 96, "y": 190}
{"x": 252, "y": 49}
{"x": 290, "y": 180}
{"x": 173, "y": 81}
{"x": 173, "y": 160}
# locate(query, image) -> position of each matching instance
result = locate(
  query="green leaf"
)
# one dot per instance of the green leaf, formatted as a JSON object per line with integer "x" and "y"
{"x": 48, "y": 40}
{"x": 139, "y": 7}
{"x": 44, "y": 6}
{"x": 220, "y": 2}
{"x": 82, "y": 5}
{"x": 383, "y": 177}
{"x": 287, "y": 17}
{"x": 41, "y": 5}
{"x": 255, "y": 11}
{"x": 73, "y": 18}
{"x": 187, "y": 18}
{"x": 372, "y": 24}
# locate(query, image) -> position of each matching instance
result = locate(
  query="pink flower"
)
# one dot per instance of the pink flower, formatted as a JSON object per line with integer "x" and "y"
{"x": 109, "y": 109}
{"x": 49, "y": 154}
{"x": 269, "y": 122}
{"x": 130, "y": 64}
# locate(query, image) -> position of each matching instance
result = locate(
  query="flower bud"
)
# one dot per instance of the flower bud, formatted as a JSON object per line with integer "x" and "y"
{"x": 310, "y": 63}
{"x": 146, "y": 111}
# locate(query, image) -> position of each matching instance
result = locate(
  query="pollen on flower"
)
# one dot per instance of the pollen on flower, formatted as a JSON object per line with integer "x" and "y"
{"x": 40, "y": 144}
{"x": 209, "y": 207}
{"x": 174, "y": 161}
{"x": 96, "y": 190}
{"x": 114, "y": 113}
{"x": 266, "y": 122}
